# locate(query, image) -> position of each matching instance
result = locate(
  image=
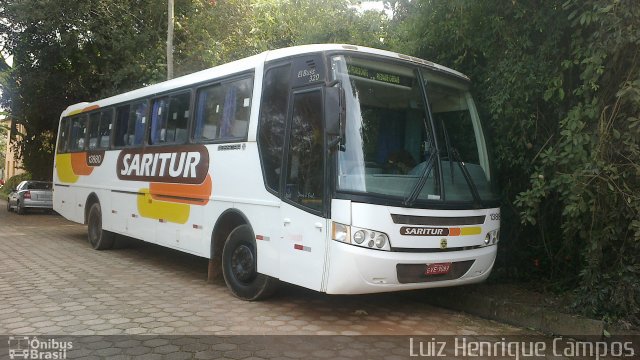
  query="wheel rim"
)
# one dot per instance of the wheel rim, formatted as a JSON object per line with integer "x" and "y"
{"x": 243, "y": 264}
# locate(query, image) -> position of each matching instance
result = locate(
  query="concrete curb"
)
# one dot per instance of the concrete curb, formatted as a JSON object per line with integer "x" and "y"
{"x": 541, "y": 318}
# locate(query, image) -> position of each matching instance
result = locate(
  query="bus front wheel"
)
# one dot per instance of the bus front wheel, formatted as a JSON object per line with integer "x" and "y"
{"x": 239, "y": 266}
{"x": 99, "y": 238}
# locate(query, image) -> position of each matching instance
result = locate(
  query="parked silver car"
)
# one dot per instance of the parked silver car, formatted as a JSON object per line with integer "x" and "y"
{"x": 31, "y": 195}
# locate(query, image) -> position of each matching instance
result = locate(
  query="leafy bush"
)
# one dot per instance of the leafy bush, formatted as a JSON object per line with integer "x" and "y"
{"x": 13, "y": 182}
{"x": 559, "y": 86}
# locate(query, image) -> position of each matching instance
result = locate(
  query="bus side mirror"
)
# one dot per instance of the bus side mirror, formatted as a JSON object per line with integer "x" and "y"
{"x": 335, "y": 116}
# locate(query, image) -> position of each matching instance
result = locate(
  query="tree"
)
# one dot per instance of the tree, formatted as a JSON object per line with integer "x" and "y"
{"x": 4, "y": 132}
{"x": 243, "y": 28}
{"x": 71, "y": 51}
{"x": 558, "y": 83}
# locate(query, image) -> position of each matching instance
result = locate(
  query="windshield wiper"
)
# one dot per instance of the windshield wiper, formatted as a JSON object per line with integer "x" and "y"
{"x": 455, "y": 155}
{"x": 467, "y": 176}
{"x": 426, "y": 171}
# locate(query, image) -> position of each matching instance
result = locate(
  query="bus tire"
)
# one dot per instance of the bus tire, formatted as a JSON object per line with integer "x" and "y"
{"x": 99, "y": 238}
{"x": 239, "y": 267}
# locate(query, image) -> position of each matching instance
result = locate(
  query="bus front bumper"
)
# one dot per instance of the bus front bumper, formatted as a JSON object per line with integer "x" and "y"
{"x": 358, "y": 270}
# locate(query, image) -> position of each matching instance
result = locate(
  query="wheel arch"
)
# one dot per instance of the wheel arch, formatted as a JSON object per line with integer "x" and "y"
{"x": 227, "y": 221}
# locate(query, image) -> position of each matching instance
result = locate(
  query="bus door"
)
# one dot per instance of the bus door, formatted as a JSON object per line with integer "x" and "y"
{"x": 304, "y": 241}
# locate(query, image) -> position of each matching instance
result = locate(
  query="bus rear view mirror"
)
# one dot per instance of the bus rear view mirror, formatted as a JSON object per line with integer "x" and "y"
{"x": 334, "y": 112}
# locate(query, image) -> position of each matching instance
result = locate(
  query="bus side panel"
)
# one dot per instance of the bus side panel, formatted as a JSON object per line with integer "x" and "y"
{"x": 187, "y": 236}
{"x": 61, "y": 203}
{"x": 114, "y": 204}
{"x": 237, "y": 183}
{"x": 76, "y": 204}
{"x": 267, "y": 226}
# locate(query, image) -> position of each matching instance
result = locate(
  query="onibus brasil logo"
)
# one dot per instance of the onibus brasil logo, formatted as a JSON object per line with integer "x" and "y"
{"x": 25, "y": 347}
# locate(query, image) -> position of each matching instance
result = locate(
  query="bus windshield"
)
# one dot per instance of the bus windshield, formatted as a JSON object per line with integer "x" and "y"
{"x": 400, "y": 145}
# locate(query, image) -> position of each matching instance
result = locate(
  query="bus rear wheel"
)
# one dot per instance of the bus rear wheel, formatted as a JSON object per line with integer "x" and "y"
{"x": 239, "y": 267}
{"x": 99, "y": 238}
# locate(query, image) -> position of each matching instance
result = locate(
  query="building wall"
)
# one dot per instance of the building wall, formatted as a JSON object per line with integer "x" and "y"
{"x": 12, "y": 165}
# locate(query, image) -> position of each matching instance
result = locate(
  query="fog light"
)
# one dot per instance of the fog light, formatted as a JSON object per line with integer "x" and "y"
{"x": 370, "y": 243}
{"x": 487, "y": 239}
{"x": 381, "y": 241}
{"x": 359, "y": 236}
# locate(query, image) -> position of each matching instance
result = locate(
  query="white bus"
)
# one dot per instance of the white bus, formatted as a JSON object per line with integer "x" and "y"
{"x": 339, "y": 168}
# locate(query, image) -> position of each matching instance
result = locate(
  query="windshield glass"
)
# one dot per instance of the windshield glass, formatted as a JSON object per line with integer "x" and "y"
{"x": 460, "y": 139}
{"x": 389, "y": 138}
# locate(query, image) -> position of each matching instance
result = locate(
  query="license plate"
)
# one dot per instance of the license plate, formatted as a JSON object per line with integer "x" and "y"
{"x": 437, "y": 269}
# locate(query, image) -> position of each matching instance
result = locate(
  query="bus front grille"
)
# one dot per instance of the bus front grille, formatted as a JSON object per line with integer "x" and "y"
{"x": 437, "y": 220}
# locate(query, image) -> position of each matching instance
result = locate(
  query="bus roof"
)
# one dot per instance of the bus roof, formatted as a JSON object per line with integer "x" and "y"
{"x": 241, "y": 65}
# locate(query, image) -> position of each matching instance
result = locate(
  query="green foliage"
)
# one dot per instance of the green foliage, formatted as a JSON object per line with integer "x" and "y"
{"x": 4, "y": 133}
{"x": 71, "y": 51}
{"x": 243, "y": 28}
{"x": 13, "y": 182}
{"x": 558, "y": 84}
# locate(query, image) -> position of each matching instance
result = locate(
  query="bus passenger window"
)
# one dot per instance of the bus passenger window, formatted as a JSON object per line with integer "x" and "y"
{"x": 137, "y": 120}
{"x": 130, "y": 124}
{"x": 94, "y": 126}
{"x": 169, "y": 119}
{"x": 223, "y": 110}
{"x": 63, "y": 135}
{"x": 78, "y": 133}
{"x": 99, "y": 129}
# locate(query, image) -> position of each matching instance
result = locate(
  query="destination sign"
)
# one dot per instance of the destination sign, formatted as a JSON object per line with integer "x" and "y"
{"x": 378, "y": 75}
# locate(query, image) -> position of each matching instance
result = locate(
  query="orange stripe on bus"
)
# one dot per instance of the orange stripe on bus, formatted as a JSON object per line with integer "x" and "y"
{"x": 182, "y": 193}
{"x": 92, "y": 107}
{"x": 79, "y": 164}
{"x": 454, "y": 231}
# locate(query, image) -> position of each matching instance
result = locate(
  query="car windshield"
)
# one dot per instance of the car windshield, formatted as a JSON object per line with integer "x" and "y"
{"x": 397, "y": 146}
{"x": 39, "y": 186}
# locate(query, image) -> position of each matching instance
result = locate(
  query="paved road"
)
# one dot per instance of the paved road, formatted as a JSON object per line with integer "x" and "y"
{"x": 52, "y": 282}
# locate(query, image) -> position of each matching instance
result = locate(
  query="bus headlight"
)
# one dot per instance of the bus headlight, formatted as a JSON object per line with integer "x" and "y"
{"x": 371, "y": 239}
{"x": 381, "y": 240}
{"x": 365, "y": 238}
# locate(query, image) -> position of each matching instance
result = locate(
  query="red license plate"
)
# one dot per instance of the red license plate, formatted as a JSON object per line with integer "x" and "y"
{"x": 437, "y": 269}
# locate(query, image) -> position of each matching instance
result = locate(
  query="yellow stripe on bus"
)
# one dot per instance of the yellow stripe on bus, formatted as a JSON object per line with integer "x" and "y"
{"x": 157, "y": 209}
{"x": 473, "y": 230}
{"x": 64, "y": 168}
